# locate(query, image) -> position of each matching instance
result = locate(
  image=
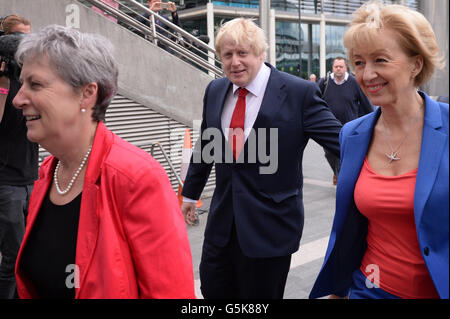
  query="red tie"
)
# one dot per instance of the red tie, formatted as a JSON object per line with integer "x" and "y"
{"x": 236, "y": 132}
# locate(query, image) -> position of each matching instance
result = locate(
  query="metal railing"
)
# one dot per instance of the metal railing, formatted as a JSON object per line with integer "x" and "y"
{"x": 152, "y": 145}
{"x": 167, "y": 35}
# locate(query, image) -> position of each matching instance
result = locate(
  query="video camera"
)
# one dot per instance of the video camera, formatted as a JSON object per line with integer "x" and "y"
{"x": 8, "y": 47}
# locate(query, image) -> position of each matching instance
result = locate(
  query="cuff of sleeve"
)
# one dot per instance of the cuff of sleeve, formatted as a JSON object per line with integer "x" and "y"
{"x": 189, "y": 200}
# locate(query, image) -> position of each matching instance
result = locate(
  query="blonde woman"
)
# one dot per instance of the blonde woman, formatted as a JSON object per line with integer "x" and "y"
{"x": 390, "y": 233}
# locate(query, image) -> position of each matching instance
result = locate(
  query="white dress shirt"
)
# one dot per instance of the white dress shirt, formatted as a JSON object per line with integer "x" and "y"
{"x": 253, "y": 102}
{"x": 343, "y": 81}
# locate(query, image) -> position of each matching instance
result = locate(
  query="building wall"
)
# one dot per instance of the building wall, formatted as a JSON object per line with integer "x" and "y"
{"x": 437, "y": 12}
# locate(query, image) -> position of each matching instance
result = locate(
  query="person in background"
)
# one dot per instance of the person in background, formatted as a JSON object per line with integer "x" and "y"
{"x": 18, "y": 164}
{"x": 104, "y": 221}
{"x": 256, "y": 217}
{"x": 112, "y": 3}
{"x": 390, "y": 235}
{"x": 14, "y": 23}
{"x": 158, "y": 7}
{"x": 312, "y": 77}
{"x": 346, "y": 100}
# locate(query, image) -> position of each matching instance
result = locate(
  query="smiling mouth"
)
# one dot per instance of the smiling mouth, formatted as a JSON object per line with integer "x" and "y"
{"x": 375, "y": 88}
{"x": 32, "y": 117}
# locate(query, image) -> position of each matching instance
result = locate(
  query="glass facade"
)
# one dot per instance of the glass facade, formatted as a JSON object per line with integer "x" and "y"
{"x": 334, "y": 44}
{"x": 282, "y": 5}
{"x": 287, "y": 48}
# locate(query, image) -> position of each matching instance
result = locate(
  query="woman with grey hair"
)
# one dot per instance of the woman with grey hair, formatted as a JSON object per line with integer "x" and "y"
{"x": 104, "y": 221}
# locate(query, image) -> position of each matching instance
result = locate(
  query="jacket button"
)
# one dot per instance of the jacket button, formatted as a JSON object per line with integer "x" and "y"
{"x": 426, "y": 251}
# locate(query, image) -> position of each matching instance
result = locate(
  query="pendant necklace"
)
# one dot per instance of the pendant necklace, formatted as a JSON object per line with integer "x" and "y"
{"x": 74, "y": 177}
{"x": 394, "y": 152}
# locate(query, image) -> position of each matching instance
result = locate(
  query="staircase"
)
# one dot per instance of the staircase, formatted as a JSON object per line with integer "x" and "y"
{"x": 142, "y": 126}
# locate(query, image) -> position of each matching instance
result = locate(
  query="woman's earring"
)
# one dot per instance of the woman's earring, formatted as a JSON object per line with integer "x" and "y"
{"x": 83, "y": 110}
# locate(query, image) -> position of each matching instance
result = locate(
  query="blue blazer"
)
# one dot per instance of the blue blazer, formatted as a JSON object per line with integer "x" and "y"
{"x": 267, "y": 209}
{"x": 347, "y": 242}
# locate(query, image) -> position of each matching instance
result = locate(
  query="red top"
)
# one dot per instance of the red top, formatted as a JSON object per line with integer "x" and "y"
{"x": 392, "y": 244}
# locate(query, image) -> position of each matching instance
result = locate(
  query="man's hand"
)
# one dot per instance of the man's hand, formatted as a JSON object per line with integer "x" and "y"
{"x": 172, "y": 7}
{"x": 188, "y": 210}
{"x": 157, "y": 6}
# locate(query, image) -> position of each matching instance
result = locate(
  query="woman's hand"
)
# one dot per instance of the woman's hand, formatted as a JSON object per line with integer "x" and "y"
{"x": 155, "y": 6}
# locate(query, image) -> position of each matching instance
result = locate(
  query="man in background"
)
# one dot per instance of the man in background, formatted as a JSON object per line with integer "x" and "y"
{"x": 345, "y": 99}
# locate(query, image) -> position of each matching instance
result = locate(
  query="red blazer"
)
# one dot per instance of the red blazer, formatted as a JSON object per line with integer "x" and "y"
{"x": 132, "y": 240}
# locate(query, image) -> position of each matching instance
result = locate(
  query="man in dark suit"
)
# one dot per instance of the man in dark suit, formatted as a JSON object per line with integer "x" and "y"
{"x": 256, "y": 216}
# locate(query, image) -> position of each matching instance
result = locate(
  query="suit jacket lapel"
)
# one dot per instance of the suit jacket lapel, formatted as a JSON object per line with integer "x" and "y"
{"x": 433, "y": 145}
{"x": 273, "y": 99}
{"x": 355, "y": 150}
{"x": 87, "y": 231}
{"x": 89, "y": 222}
{"x": 219, "y": 97}
{"x": 272, "y": 102}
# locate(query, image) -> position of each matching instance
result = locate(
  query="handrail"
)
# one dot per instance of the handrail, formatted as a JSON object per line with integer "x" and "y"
{"x": 180, "y": 42}
{"x": 152, "y": 146}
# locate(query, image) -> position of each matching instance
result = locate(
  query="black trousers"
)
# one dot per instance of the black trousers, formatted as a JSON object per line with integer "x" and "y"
{"x": 13, "y": 212}
{"x": 226, "y": 273}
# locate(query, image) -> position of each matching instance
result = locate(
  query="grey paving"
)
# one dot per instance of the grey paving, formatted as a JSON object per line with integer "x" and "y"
{"x": 319, "y": 201}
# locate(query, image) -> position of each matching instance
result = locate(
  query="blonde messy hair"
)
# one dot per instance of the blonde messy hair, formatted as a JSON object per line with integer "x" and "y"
{"x": 414, "y": 34}
{"x": 242, "y": 31}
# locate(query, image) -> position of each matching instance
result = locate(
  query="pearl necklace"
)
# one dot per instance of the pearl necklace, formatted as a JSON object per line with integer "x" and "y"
{"x": 74, "y": 177}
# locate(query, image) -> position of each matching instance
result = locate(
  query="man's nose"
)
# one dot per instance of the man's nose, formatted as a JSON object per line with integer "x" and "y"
{"x": 235, "y": 60}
